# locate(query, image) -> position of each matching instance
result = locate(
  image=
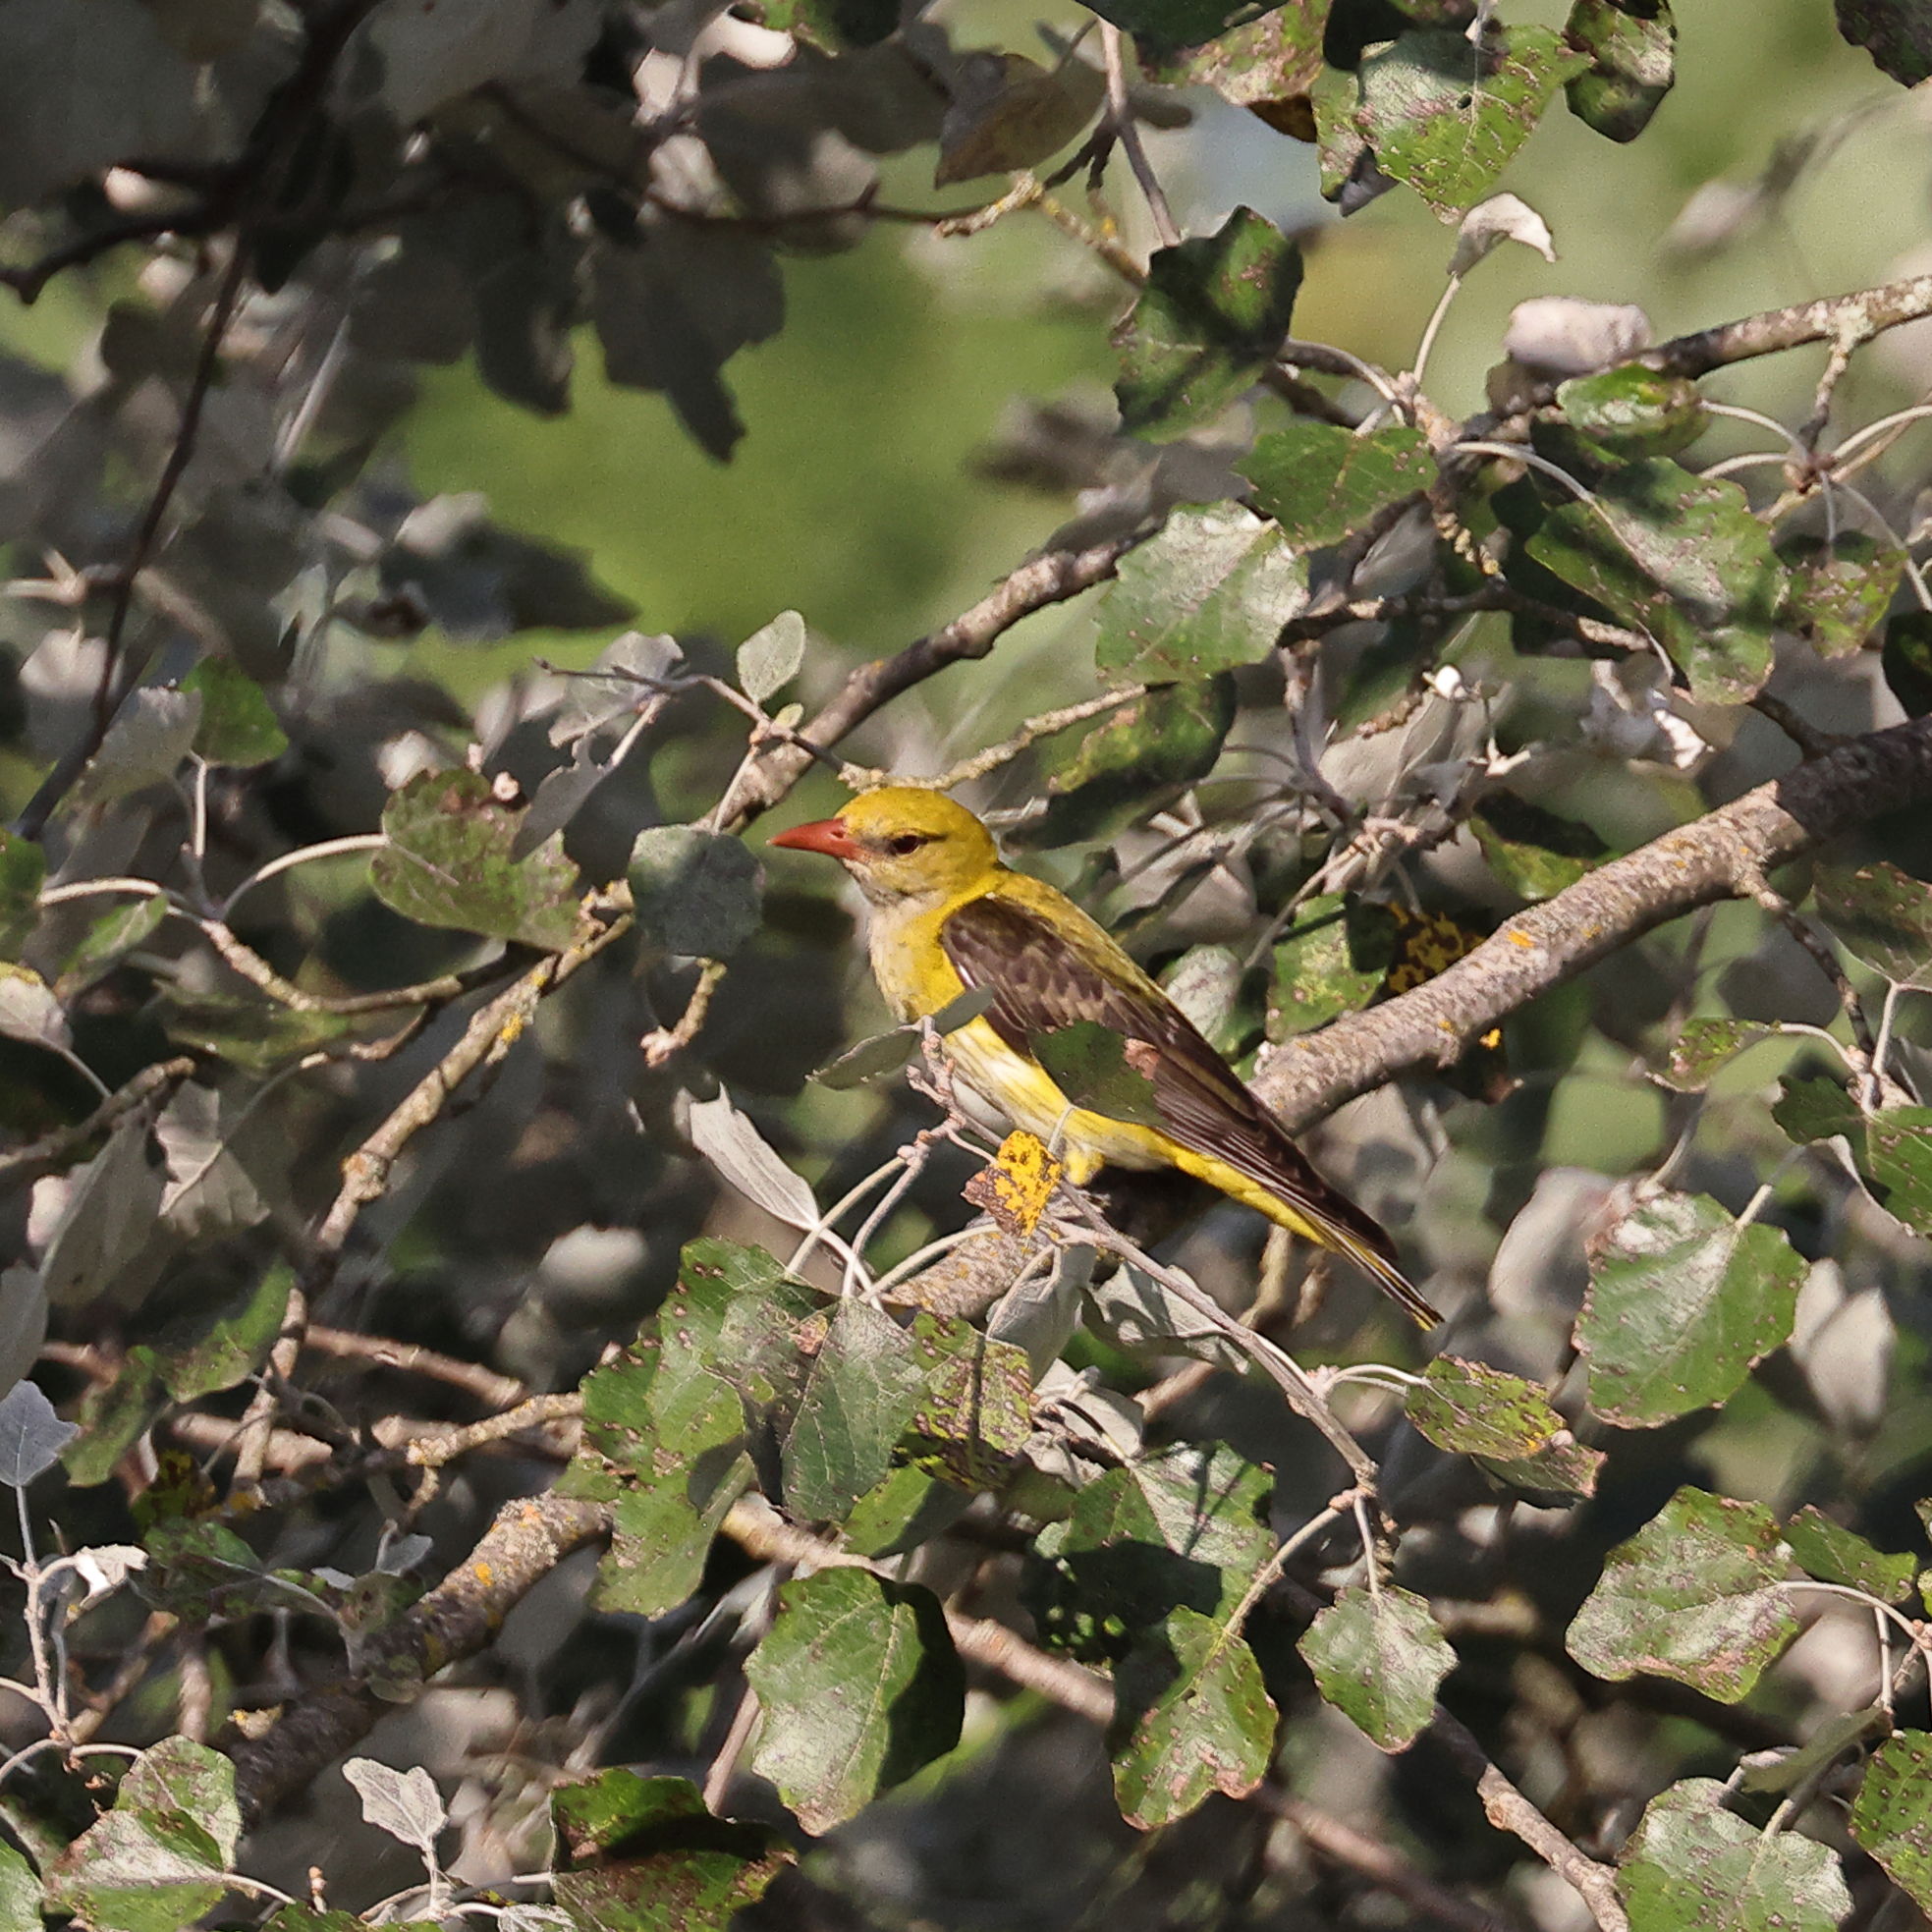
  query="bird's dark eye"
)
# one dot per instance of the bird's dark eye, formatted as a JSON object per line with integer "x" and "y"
{"x": 907, "y": 842}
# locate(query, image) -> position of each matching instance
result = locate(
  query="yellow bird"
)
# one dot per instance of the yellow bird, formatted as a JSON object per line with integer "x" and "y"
{"x": 948, "y": 916}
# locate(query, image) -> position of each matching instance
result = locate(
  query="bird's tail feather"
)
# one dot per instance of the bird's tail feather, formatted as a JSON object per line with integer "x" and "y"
{"x": 1387, "y": 1276}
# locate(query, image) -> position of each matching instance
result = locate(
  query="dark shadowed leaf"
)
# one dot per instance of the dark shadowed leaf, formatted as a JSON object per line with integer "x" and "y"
{"x": 1320, "y": 481}
{"x": 1681, "y": 559}
{"x": 1882, "y": 915}
{"x": 1693, "y": 1595}
{"x": 1378, "y": 1657}
{"x": 239, "y": 726}
{"x": 1445, "y": 116}
{"x": 863, "y": 1387}
{"x": 647, "y": 1854}
{"x": 1090, "y": 1064}
{"x": 1839, "y": 592}
{"x": 151, "y": 734}
{"x": 250, "y": 1033}
{"x": 218, "y": 1354}
{"x": 975, "y": 1413}
{"x": 1330, "y": 962}
{"x": 1535, "y": 851}
{"x": 1833, "y": 1554}
{"x": 1682, "y": 1302}
{"x": 1010, "y": 112}
{"x": 697, "y": 892}
{"x": 107, "y": 1221}
{"x": 448, "y": 864}
{"x": 108, "y": 940}
{"x": 1892, "y": 1818}
{"x": 22, "y": 872}
{"x": 1632, "y": 50}
{"x": 1897, "y": 33}
{"x": 1907, "y": 661}
{"x": 859, "y": 1685}
{"x": 1267, "y": 65}
{"x": 1474, "y": 1410}
{"x": 1192, "y": 1719}
{"x": 1210, "y": 319}
{"x": 1211, "y": 592}
{"x": 1816, "y": 1109}
{"x": 1131, "y": 764}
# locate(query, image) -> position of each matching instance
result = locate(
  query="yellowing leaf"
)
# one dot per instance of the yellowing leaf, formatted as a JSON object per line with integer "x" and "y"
{"x": 1016, "y": 1184}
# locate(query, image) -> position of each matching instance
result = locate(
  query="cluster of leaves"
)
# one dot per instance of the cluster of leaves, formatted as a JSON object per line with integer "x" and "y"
{"x": 273, "y": 908}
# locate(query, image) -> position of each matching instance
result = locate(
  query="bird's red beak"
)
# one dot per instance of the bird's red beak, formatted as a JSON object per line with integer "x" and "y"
{"x": 826, "y": 835}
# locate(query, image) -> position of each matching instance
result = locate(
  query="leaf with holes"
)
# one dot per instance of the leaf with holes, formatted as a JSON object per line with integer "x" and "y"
{"x": 1321, "y": 482}
{"x": 1192, "y": 1719}
{"x": 1378, "y": 1656}
{"x": 1210, "y": 319}
{"x": 1693, "y": 1595}
{"x": 1683, "y": 1301}
{"x": 448, "y": 864}
{"x": 860, "y": 1687}
{"x": 1211, "y": 592}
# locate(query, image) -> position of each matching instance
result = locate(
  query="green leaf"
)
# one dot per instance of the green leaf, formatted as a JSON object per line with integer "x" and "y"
{"x": 1681, "y": 559}
{"x": 1534, "y": 851}
{"x": 1693, "y": 1595}
{"x": 1473, "y": 1409}
{"x": 697, "y": 892}
{"x": 1320, "y": 481}
{"x": 20, "y": 1893}
{"x": 1896, "y": 33}
{"x": 114, "y": 1415}
{"x": 1892, "y": 1818}
{"x": 771, "y": 656}
{"x": 1632, "y": 50}
{"x": 1693, "y": 1866}
{"x": 975, "y": 1413}
{"x": 1089, "y": 1064}
{"x": 1209, "y": 320}
{"x": 1817, "y": 1109}
{"x": 250, "y": 1033}
{"x": 448, "y": 864}
{"x": 832, "y": 25}
{"x": 1703, "y": 1047}
{"x": 107, "y": 941}
{"x": 1833, "y": 1554}
{"x": 645, "y": 1855}
{"x": 1899, "y": 1162}
{"x": 1134, "y": 764}
{"x": 219, "y": 1353}
{"x": 1378, "y": 1656}
{"x": 239, "y": 726}
{"x": 1881, "y": 915}
{"x": 1563, "y": 1473}
{"x": 1682, "y": 1302}
{"x": 1632, "y": 411}
{"x": 1183, "y": 1527}
{"x": 1266, "y": 66}
{"x": 1331, "y": 961}
{"x": 1192, "y": 1719}
{"x": 154, "y": 1864}
{"x": 662, "y": 1531}
{"x": 861, "y": 1393}
{"x": 859, "y": 1685}
{"x": 22, "y": 872}
{"x": 1210, "y": 592}
{"x": 907, "y": 1508}
{"x": 1446, "y": 117}
{"x": 1839, "y": 592}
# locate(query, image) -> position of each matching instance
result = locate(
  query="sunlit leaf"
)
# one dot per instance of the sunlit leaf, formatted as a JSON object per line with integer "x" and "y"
{"x": 1892, "y": 1818}
{"x": 1320, "y": 481}
{"x": 1833, "y": 1554}
{"x": 1378, "y": 1657}
{"x": 1633, "y": 49}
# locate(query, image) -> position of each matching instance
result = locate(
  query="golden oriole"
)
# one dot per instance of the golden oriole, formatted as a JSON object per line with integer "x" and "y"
{"x": 948, "y": 916}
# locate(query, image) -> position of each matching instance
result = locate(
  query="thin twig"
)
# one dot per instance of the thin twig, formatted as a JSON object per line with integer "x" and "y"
{"x": 1127, "y": 130}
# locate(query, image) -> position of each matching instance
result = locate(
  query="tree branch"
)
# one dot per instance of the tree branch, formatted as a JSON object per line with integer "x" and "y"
{"x": 1857, "y": 317}
{"x": 1716, "y": 857}
{"x": 1050, "y": 579}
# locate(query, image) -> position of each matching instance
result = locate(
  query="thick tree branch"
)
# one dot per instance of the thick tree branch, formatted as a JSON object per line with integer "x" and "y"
{"x": 1854, "y": 318}
{"x": 1716, "y": 857}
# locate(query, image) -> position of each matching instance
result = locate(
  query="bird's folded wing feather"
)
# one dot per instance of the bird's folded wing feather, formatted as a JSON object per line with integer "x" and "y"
{"x": 1046, "y": 978}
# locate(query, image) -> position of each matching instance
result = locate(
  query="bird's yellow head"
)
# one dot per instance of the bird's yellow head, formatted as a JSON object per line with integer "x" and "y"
{"x": 902, "y": 844}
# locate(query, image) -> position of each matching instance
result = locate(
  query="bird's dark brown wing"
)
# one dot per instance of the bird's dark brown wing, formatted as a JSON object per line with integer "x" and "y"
{"x": 1044, "y": 981}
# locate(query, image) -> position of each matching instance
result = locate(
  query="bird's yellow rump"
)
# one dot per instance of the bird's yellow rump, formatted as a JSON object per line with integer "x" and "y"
{"x": 948, "y": 916}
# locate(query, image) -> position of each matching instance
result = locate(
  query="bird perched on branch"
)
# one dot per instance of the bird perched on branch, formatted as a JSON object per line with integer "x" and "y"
{"x": 948, "y": 917}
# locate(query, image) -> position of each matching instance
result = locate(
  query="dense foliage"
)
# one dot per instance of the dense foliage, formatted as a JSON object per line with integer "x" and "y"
{"x": 515, "y": 1416}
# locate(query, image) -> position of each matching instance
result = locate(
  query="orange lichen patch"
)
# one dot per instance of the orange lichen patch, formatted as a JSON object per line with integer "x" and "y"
{"x": 1524, "y": 940}
{"x": 484, "y": 1574}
